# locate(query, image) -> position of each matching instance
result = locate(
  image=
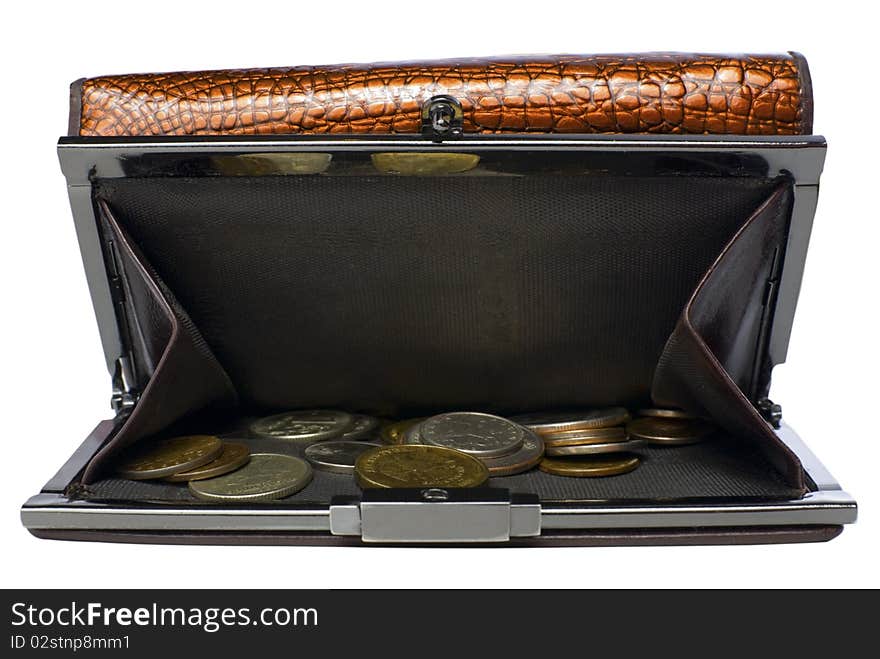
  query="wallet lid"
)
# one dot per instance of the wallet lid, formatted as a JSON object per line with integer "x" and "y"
{"x": 663, "y": 93}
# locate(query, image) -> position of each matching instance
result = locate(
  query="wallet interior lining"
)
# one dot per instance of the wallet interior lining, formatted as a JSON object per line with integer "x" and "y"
{"x": 402, "y": 296}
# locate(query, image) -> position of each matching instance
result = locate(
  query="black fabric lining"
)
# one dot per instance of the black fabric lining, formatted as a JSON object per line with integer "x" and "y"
{"x": 404, "y": 295}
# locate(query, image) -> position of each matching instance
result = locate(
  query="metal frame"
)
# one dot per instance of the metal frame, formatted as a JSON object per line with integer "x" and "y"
{"x": 496, "y": 515}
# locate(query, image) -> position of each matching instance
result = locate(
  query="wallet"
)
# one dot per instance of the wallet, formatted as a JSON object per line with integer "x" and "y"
{"x": 506, "y": 235}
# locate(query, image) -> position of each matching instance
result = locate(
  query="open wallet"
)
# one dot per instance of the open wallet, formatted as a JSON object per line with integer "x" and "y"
{"x": 545, "y": 236}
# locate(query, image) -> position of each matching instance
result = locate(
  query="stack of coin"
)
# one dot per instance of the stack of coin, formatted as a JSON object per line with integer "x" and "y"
{"x": 586, "y": 444}
{"x": 595, "y": 432}
{"x": 182, "y": 459}
{"x": 504, "y": 447}
{"x": 668, "y": 427}
{"x": 317, "y": 425}
{"x": 266, "y": 477}
{"x": 337, "y": 456}
{"x": 215, "y": 470}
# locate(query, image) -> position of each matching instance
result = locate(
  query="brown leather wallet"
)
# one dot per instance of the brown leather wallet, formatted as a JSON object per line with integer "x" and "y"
{"x": 479, "y": 262}
{"x": 646, "y": 93}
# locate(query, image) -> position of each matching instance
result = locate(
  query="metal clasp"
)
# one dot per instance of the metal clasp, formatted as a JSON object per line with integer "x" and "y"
{"x": 772, "y": 412}
{"x": 437, "y": 515}
{"x": 442, "y": 118}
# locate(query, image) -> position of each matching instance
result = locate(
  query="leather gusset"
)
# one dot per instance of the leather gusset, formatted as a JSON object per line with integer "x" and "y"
{"x": 708, "y": 359}
{"x": 633, "y": 93}
{"x": 185, "y": 376}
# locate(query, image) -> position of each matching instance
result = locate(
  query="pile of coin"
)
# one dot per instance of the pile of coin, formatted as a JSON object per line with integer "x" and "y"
{"x": 667, "y": 427}
{"x": 315, "y": 425}
{"x": 586, "y": 445}
{"x": 454, "y": 449}
{"x": 189, "y": 458}
{"x": 503, "y": 446}
{"x": 332, "y": 439}
{"x": 215, "y": 470}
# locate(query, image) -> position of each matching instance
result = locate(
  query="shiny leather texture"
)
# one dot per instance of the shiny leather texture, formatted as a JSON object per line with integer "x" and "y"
{"x": 645, "y": 93}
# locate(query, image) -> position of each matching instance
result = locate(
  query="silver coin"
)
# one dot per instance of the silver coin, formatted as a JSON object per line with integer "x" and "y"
{"x": 362, "y": 427}
{"x": 266, "y": 477}
{"x": 596, "y": 449}
{"x": 480, "y": 435}
{"x": 528, "y": 456}
{"x": 413, "y": 435}
{"x": 549, "y": 422}
{"x": 304, "y": 424}
{"x": 337, "y": 456}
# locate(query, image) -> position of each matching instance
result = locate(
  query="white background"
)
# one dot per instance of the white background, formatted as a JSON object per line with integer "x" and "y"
{"x": 52, "y": 375}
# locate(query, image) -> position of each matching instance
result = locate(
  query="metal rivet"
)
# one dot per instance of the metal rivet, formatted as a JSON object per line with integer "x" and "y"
{"x": 435, "y": 494}
{"x": 442, "y": 115}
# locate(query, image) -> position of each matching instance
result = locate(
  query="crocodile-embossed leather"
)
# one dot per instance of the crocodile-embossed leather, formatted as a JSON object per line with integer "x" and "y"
{"x": 650, "y": 93}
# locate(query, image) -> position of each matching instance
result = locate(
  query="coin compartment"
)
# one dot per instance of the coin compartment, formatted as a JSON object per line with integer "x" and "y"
{"x": 401, "y": 297}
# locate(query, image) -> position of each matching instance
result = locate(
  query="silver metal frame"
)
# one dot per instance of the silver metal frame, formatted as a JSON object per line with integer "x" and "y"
{"x": 498, "y": 516}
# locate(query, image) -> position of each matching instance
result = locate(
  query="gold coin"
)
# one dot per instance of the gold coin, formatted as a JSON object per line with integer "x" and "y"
{"x": 585, "y": 436}
{"x": 262, "y": 164}
{"x": 266, "y": 477}
{"x": 424, "y": 164}
{"x": 232, "y": 456}
{"x": 415, "y": 465}
{"x": 394, "y": 433}
{"x": 545, "y": 423}
{"x": 665, "y": 413}
{"x": 669, "y": 431}
{"x": 593, "y": 466}
{"x": 168, "y": 456}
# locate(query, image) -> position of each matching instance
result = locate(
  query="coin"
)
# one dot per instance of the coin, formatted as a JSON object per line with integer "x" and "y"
{"x": 304, "y": 424}
{"x": 424, "y": 164}
{"x": 263, "y": 164}
{"x": 232, "y": 456}
{"x": 590, "y": 467}
{"x": 394, "y": 432}
{"x": 665, "y": 413}
{"x": 481, "y": 435}
{"x": 362, "y": 427}
{"x": 412, "y": 434}
{"x": 585, "y": 436}
{"x": 416, "y": 465}
{"x": 169, "y": 456}
{"x": 551, "y": 422}
{"x": 525, "y": 458}
{"x": 595, "y": 449}
{"x": 337, "y": 456}
{"x": 267, "y": 476}
{"x": 669, "y": 431}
